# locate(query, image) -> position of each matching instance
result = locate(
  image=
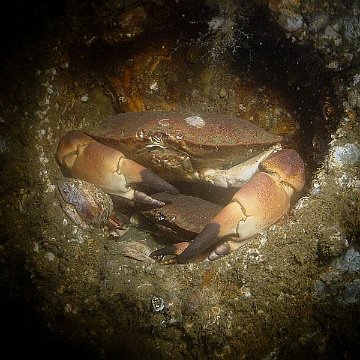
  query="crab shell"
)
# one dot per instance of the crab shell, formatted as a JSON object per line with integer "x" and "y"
{"x": 181, "y": 146}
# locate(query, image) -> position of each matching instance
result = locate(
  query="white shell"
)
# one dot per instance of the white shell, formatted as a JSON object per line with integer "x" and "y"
{"x": 196, "y": 121}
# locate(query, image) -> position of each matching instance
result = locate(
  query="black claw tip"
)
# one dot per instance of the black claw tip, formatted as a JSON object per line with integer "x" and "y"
{"x": 155, "y": 182}
{"x": 207, "y": 238}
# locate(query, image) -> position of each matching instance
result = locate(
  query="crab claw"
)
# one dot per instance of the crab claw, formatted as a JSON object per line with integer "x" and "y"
{"x": 263, "y": 200}
{"x": 89, "y": 160}
{"x": 173, "y": 249}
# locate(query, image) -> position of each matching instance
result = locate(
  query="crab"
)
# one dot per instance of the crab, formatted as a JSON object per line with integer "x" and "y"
{"x": 224, "y": 151}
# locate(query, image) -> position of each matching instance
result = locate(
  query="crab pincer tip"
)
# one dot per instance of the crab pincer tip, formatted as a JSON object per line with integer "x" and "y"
{"x": 206, "y": 239}
{"x": 173, "y": 249}
{"x": 155, "y": 182}
{"x": 147, "y": 199}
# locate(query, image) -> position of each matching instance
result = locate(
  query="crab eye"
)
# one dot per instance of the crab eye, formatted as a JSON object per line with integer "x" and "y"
{"x": 140, "y": 134}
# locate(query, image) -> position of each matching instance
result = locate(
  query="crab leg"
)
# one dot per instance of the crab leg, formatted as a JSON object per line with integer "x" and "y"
{"x": 258, "y": 204}
{"x": 89, "y": 160}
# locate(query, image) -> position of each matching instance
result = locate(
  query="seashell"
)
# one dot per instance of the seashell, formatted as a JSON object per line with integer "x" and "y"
{"x": 84, "y": 203}
{"x": 137, "y": 251}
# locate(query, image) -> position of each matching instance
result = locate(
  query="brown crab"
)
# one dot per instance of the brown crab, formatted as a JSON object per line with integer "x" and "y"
{"x": 222, "y": 150}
